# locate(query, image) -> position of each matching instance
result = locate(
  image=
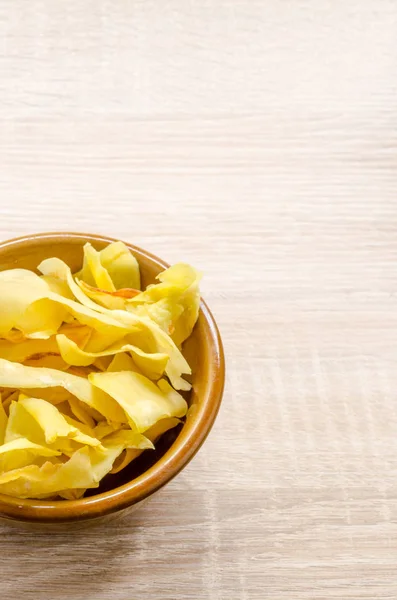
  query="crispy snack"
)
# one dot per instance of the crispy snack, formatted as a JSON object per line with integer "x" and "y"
{"x": 90, "y": 366}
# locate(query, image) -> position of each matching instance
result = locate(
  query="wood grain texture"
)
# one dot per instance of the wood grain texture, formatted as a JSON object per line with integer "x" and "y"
{"x": 258, "y": 141}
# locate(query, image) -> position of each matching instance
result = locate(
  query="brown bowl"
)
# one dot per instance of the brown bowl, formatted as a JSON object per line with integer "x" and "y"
{"x": 151, "y": 470}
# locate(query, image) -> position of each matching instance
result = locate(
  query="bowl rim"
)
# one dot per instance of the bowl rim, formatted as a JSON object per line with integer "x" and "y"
{"x": 175, "y": 458}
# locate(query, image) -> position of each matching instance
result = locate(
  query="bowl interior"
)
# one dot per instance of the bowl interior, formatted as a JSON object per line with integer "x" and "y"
{"x": 152, "y": 469}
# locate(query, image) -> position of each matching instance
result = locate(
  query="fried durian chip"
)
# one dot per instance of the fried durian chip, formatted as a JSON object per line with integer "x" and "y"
{"x": 16, "y": 375}
{"x": 143, "y": 329}
{"x": 24, "y": 305}
{"x": 84, "y": 469}
{"x": 143, "y": 401}
{"x": 151, "y": 434}
{"x": 43, "y": 423}
{"x": 120, "y": 264}
{"x": 21, "y": 452}
{"x": 3, "y": 421}
{"x": 111, "y": 300}
{"x": 151, "y": 365}
{"x": 179, "y": 286}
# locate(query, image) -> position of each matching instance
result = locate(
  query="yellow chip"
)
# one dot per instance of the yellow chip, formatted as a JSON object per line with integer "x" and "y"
{"x": 112, "y": 300}
{"x": 151, "y": 365}
{"x": 16, "y": 375}
{"x": 21, "y": 452}
{"x": 179, "y": 288}
{"x": 24, "y": 305}
{"x": 141, "y": 329}
{"x": 120, "y": 264}
{"x": 78, "y": 360}
{"x": 92, "y": 260}
{"x": 143, "y": 401}
{"x": 3, "y": 422}
{"x": 43, "y": 424}
{"x": 152, "y": 435}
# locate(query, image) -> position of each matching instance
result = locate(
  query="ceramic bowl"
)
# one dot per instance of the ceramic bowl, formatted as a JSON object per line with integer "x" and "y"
{"x": 151, "y": 470}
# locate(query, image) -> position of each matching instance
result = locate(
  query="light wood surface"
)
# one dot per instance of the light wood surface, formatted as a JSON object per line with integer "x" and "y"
{"x": 256, "y": 140}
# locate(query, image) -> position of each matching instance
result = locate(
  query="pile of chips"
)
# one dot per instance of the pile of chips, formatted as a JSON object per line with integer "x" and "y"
{"x": 90, "y": 369}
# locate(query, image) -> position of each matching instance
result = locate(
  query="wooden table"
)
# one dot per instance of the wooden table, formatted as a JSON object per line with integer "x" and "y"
{"x": 256, "y": 140}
